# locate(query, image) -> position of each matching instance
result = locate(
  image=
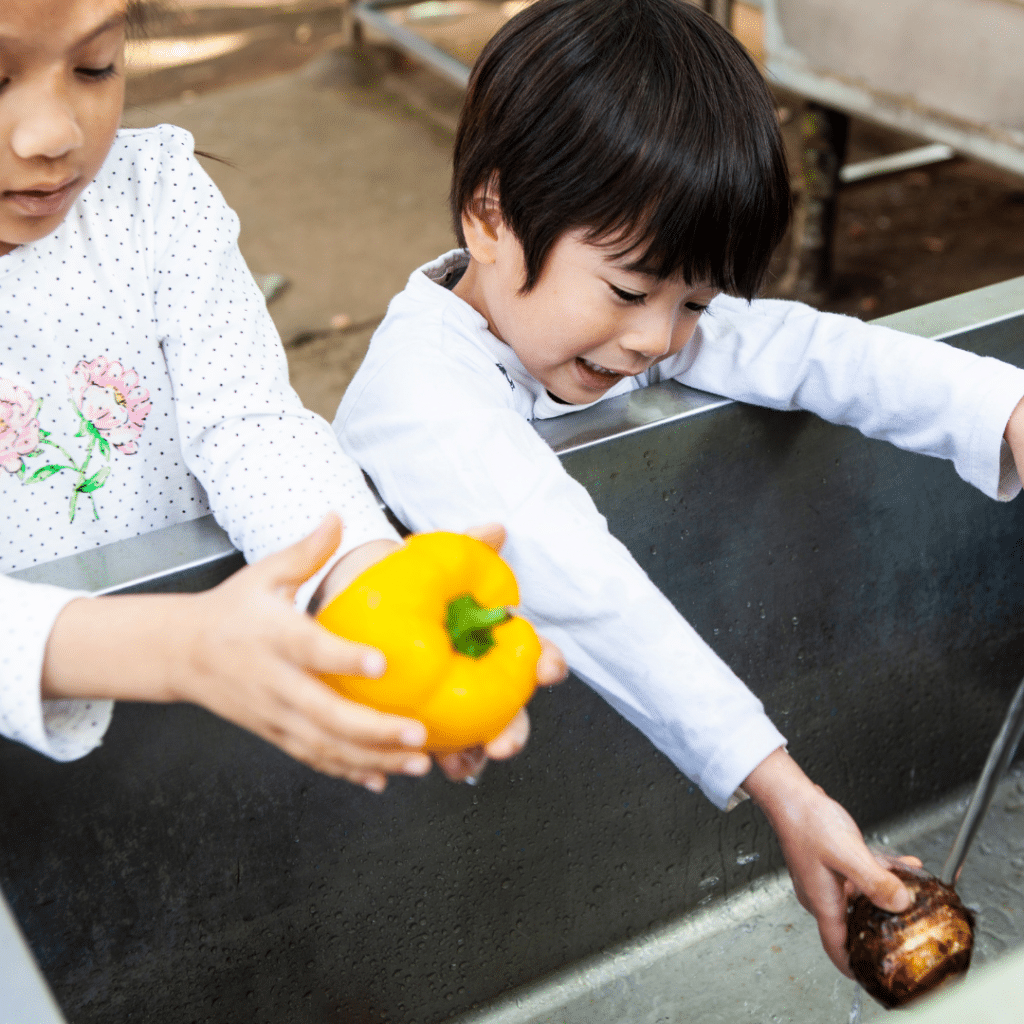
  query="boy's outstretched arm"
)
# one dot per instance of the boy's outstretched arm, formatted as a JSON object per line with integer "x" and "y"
{"x": 824, "y": 850}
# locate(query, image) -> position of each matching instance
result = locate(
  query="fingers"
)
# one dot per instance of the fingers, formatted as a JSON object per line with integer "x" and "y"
{"x": 833, "y": 941}
{"x": 317, "y": 649}
{"x": 341, "y": 738}
{"x": 882, "y": 887}
{"x": 294, "y": 565}
{"x": 512, "y": 738}
{"x": 551, "y": 666}
{"x": 344, "y": 719}
{"x": 492, "y": 534}
{"x": 463, "y": 765}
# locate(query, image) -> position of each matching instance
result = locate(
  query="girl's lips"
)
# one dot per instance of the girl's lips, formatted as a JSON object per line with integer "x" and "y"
{"x": 43, "y": 202}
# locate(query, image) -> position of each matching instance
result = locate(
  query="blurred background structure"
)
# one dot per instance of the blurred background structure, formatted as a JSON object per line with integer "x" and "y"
{"x": 338, "y": 145}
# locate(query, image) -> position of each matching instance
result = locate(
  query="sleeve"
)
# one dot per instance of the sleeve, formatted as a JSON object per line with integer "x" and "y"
{"x": 446, "y": 452}
{"x": 271, "y": 468}
{"x": 920, "y": 395}
{"x": 61, "y": 729}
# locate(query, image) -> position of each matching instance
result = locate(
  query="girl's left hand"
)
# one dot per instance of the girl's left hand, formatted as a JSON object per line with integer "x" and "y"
{"x": 824, "y": 851}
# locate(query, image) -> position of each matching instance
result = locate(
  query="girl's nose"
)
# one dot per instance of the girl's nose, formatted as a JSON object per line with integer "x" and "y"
{"x": 46, "y": 127}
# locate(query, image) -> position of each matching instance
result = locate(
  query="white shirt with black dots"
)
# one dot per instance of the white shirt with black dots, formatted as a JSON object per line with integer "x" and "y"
{"x": 439, "y": 416}
{"x": 142, "y": 383}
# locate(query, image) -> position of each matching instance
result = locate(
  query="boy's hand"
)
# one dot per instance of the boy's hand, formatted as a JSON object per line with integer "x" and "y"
{"x": 466, "y": 765}
{"x": 824, "y": 850}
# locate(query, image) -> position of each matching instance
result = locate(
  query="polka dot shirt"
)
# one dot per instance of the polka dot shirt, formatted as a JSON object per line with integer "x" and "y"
{"x": 142, "y": 383}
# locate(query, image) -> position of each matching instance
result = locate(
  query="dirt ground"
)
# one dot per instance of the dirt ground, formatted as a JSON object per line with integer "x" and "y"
{"x": 338, "y": 163}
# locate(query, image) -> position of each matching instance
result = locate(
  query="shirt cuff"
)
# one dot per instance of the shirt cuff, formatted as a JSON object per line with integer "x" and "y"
{"x": 992, "y": 468}
{"x": 747, "y": 747}
{"x": 61, "y": 729}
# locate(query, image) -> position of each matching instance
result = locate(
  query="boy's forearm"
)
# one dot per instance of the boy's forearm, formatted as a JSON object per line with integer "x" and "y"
{"x": 775, "y": 782}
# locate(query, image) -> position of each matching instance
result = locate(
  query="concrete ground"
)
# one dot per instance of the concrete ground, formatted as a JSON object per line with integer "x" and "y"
{"x": 339, "y": 186}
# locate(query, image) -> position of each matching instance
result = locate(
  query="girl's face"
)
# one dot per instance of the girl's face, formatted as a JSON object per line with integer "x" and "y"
{"x": 589, "y": 321}
{"x": 61, "y": 96}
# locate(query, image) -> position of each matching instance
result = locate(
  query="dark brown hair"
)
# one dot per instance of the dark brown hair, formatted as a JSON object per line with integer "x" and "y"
{"x": 643, "y": 122}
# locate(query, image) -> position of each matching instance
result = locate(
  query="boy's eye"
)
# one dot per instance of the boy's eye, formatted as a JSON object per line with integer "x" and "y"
{"x": 97, "y": 74}
{"x": 696, "y": 307}
{"x": 636, "y": 298}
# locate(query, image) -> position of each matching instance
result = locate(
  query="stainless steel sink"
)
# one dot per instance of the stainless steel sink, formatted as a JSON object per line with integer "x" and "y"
{"x": 755, "y": 957}
{"x": 187, "y": 871}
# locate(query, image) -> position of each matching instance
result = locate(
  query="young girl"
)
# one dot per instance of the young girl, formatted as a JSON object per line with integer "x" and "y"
{"x": 142, "y": 384}
{"x": 619, "y": 186}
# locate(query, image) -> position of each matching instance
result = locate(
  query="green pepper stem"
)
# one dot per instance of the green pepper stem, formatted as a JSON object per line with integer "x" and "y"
{"x": 469, "y": 625}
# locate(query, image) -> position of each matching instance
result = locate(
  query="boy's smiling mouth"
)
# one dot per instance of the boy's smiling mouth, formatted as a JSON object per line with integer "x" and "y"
{"x": 596, "y": 376}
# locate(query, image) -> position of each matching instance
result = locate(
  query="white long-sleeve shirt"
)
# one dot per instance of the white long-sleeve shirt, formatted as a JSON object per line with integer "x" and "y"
{"x": 142, "y": 383}
{"x": 439, "y": 416}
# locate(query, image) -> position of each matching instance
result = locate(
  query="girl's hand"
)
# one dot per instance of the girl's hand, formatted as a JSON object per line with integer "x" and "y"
{"x": 242, "y": 651}
{"x": 824, "y": 850}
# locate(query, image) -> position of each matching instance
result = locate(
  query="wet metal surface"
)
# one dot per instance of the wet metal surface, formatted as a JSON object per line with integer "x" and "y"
{"x": 756, "y": 957}
{"x": 187, "y": 871}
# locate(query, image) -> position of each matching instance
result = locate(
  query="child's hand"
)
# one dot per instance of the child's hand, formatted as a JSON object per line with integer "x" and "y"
{"x": 824, "y": 850}
{"x": 242, "y": 651}
{"x": 466, "y": 765}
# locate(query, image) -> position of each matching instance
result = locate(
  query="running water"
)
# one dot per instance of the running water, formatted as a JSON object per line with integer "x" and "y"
{"x": 855, "y": 1008}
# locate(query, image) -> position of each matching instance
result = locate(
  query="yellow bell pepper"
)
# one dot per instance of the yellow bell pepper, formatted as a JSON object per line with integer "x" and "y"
{"x": 456, "y": 659}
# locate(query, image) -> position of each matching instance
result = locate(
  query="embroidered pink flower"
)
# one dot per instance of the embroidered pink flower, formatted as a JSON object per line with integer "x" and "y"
{"x": 110, "y": 397}
{"x": 19, "y": 427}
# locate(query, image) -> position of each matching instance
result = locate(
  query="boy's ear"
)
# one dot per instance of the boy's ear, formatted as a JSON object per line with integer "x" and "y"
{"x": 481, "y": 223}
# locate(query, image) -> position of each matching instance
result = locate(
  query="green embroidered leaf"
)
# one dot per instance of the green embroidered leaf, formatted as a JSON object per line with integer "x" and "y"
{"x": 72, "y": 506}
{"x": 44, "y": 473}
{"x": 33, "y": 455}
{"x": 104, "y": 447}
{"x": 95, "y": 482}
{"x": 43, "y": 433}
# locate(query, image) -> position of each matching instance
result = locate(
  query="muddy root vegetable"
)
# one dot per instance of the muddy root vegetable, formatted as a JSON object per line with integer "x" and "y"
{"x": 898, "y": 957}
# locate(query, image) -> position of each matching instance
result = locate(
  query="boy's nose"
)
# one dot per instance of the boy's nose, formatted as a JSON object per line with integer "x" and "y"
{"x": 650, "y": 339}
{"x": 46, "y": 126}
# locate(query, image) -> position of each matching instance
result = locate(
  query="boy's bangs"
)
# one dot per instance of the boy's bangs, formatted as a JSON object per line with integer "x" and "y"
{"x": 643, "y": 122}
{"x": 708, "y": 232}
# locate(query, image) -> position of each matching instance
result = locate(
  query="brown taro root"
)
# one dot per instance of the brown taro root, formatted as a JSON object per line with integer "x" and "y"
{"x": 898, "y": 957}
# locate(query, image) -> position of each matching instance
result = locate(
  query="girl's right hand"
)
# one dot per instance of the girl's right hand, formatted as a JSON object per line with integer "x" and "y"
{"x": 245, "y": 653}
{"x": 242, "y": 651}
{"x": 253, "y": 657}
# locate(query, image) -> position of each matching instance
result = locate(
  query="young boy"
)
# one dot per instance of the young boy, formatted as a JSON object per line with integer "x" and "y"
{"x": 619, "y": 186}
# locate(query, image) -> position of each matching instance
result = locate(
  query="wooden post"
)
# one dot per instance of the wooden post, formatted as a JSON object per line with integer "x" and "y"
{"x": 823, "y": 136}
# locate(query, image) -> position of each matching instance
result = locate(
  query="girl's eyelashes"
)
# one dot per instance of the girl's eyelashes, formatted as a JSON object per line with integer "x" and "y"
{"x": 97, "y": 74}
{"x": 634, "y": 298}
{"x": 697, "y": 307}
